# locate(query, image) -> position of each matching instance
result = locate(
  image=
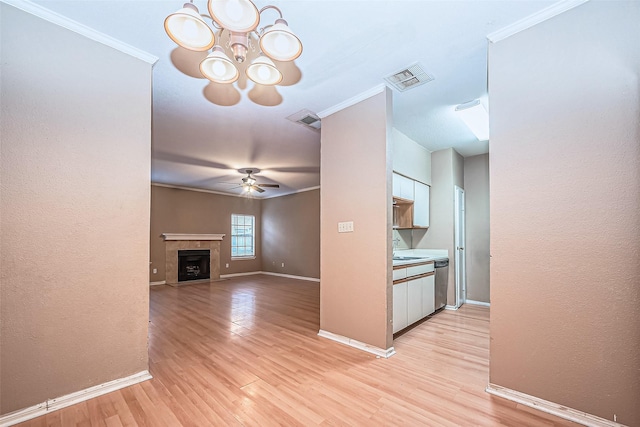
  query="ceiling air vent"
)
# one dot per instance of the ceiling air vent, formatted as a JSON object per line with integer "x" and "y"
{"x": 306, "y": 118}
{"x": 410, "y": 77}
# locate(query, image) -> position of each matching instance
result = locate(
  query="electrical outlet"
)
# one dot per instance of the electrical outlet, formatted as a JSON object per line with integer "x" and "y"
{"x": 227, "y": 265}
{"x": 283, "y": 264}
{"x": 155, "y": 271}
{"x": 345, "y": 227}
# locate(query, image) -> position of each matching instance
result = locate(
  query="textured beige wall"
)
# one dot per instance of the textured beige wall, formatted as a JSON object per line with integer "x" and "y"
{"x": 74, "y": 213}
{"x": 291, "y": 234}
{"x": 476, "y": 192}
{"x": 565, "y": 210}
{"x": 355, "y": 268}
{"x": 175, "y": 210}
{"x": 447, "y": 170}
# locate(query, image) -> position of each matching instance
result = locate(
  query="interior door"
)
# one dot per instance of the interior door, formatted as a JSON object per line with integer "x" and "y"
{"x": 460, "y": 266}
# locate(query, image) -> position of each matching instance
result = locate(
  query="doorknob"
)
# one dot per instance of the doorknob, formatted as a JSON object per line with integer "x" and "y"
{"x": 462, "y": 249}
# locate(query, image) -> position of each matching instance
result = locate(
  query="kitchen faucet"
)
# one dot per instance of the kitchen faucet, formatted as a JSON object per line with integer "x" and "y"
{"x": 396, "y": 242}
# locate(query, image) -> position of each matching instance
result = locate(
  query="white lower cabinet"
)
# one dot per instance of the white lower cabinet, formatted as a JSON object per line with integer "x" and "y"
{"x": 400, "y": 319}
{"x": 414, "y": 300}
{"x": 428, "y": 295}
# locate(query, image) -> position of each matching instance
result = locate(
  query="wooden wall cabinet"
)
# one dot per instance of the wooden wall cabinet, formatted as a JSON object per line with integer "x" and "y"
{"x": 402, "y": 213}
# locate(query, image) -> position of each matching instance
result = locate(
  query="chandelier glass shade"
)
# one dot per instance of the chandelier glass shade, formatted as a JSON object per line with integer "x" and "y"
{"x": 279, "y": 42}
{"x": 218, "y": 68}
{"x": 240, "y": 18}
{"x": 262, "y": 70}
{"x": 187, "y": 28}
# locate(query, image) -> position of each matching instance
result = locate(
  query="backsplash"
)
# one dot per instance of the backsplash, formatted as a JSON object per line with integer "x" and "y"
{"x": 401, "y": 239}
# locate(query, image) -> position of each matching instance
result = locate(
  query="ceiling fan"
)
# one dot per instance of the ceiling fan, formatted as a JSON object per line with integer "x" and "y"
{"x": 249, "y": 183}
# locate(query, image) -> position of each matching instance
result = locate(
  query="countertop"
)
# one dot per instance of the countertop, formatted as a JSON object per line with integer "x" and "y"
{"x": 421, "y": 254}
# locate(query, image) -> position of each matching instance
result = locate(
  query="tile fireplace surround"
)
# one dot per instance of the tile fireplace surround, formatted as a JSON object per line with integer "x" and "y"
{"x": 175, "y": 242}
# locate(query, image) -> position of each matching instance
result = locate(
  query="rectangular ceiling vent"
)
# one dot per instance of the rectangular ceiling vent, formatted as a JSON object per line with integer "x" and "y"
{"x": 409, "y": 78}
{"x": 306, "y": 118}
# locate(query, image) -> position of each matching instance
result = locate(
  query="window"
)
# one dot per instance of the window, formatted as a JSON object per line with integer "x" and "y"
{"x": 242, "y": 236}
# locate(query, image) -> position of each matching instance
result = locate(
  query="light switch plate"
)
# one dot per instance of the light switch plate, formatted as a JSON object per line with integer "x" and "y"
{"x": 345, "y": 227}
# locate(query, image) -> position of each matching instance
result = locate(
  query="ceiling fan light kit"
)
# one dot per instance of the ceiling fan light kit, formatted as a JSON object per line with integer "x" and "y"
{"x": 240, "y": 18}
{"x": 250, "y": 184}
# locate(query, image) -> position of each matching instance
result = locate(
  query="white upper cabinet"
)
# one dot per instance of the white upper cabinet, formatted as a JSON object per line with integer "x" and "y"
{"x": 410, "y": 158}
{"x": 402, "y": 187}
{"x": 420, "y": 205}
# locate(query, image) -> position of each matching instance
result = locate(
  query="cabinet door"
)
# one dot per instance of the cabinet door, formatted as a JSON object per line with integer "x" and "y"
{"x": 428, "y": 295}
{"x": 399, "y": 306}
{"x": 402, "y": 187}
{"x": 421, "y": 205}
{"x": 396, "y": 185}
{"x": 399, "y": 273}
{"x": 414, "y": 300}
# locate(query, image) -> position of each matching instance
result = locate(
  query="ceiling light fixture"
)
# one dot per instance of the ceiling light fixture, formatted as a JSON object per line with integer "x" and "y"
{"x": 240, "y": 18}
{"x": 475, "y": 116}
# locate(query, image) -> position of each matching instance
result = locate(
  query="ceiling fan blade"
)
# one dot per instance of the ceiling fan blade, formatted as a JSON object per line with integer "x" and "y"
{"x": 268, "y": 185}
{"x": 258, "y": 189}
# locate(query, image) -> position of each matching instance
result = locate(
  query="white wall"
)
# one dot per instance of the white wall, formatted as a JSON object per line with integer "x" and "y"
{"x": 476, "y": 191}
{"x": 74, "y": 212}
{"x": 447, "y": 172}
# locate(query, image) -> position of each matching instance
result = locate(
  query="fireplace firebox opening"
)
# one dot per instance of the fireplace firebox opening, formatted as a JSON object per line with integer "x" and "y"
{"x": 194, "y": 265}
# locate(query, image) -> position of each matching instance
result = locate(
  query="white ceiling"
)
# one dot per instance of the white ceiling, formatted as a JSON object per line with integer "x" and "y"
{"x": 202, "y": 132}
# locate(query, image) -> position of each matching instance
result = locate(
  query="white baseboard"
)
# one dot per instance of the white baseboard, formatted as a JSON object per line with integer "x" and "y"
{"x": 162, "y": 282}
{"x": 50, "y": 405}
{"x": 482, "y": 303}
{"x": 550, "y": 407}
{"x": 450, "y": 307}
{"x": 291, "y": 276}
{"x": 250, "y": 273}
{"x": 357, "y": 344}
{"x": 269, "y": 273}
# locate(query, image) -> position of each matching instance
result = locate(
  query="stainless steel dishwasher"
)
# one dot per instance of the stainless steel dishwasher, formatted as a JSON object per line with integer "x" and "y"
{"x": 442, "y": 280}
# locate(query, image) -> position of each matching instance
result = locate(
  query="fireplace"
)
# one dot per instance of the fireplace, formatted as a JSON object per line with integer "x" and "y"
{"x": 192, "y": 245}
{"x": 193, "y": 265}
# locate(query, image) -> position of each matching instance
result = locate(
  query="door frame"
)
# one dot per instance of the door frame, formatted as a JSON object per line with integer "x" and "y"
{"x": 459, "y": 245}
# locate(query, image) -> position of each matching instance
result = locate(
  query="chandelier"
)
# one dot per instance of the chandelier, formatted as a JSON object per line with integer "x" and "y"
{"x": 240, "y": 18}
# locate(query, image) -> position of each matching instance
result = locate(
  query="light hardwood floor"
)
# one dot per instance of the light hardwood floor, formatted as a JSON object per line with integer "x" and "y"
{"x": 245, "y": 352}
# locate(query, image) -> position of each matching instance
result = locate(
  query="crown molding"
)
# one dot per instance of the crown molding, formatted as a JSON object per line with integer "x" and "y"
{"x": 302, "y": 190}
{"x": 352, "y": 101}
{"x": 202, "y": 190}
{"x": 531, "y": 20}
{"x": 76, "y": 27}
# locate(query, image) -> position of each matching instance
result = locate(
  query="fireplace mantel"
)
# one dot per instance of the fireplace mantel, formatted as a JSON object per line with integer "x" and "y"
{"x": 181, "y": 236}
